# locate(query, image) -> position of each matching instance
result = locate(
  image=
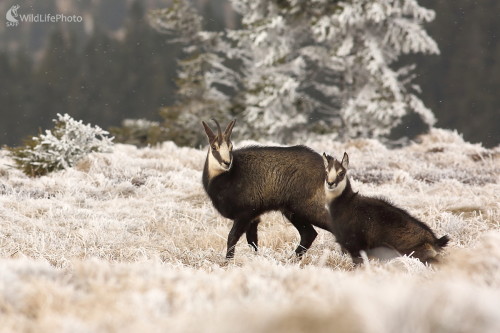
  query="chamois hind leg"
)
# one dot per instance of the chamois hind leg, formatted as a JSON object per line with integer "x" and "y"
{"x": 251, "y": 233}
{"x": 239, "y": 227}
{"x": 306, "y": 231}
{"x": 425, "y": 252}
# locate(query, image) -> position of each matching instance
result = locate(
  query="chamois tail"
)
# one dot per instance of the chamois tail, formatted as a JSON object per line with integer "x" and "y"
{"x": 443, "y": 241}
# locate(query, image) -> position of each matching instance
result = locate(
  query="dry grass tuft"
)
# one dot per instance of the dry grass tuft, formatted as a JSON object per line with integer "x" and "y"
{"x": 129, "y": 242}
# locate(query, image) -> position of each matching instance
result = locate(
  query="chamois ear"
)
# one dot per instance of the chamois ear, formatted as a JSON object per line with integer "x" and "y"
{"x": 345, "y": 161}
{"x": 325, "y": 160}
{"x": 229, "y": 129}
{"x": 209, "y": 132}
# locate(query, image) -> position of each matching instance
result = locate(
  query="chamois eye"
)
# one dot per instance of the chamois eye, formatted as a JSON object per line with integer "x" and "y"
{"x": 341, "y": 173}
{"x": 214, "y": 147}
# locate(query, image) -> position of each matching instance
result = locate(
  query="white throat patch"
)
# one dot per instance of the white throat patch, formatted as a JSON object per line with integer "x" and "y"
{"x": 332, "y": 193}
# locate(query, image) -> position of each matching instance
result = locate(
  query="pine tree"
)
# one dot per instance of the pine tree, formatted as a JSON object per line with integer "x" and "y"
{"x": 317, "y": 65}
{"x": 331, "y": 64}
{"x": 60, "y": 148}
{"x": 201, "y": 73}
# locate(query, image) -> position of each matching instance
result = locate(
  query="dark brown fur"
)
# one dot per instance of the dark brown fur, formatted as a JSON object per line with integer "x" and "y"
{"x": 363, "y": 223}
{"x": 262, "y": 179}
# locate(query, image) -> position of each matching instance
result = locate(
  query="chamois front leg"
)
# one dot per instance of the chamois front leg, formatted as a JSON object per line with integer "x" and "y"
{"x": 355, "y": 254}
{"x": 251, "y": 233}
{"x": 239, "y": 227}
{"x": 352, "y": 246}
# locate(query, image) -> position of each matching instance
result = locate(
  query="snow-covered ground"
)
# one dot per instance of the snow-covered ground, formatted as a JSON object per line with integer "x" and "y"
{"x": 129, "y": 242}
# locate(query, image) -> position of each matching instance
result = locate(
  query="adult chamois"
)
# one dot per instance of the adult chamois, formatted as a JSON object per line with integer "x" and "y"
{"x": 247, "y": 182}
{"x": 364, "y": 223}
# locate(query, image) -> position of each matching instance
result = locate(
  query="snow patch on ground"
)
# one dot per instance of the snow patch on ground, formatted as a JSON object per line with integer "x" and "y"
{"x": 129, "y": 242}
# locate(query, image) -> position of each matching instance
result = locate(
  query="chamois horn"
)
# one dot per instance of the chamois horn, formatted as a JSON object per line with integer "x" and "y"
{"x": 219, "y": 131}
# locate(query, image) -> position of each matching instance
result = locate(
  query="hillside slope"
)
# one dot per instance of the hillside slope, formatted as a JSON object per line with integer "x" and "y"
{"x": 129, "y": 242}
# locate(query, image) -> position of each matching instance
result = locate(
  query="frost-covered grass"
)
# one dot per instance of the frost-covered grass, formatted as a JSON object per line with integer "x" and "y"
{"x": 129, "y": 242}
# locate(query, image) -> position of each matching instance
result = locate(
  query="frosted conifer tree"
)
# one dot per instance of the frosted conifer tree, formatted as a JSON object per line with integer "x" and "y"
{"x": 61, "y": 147}
{"x": 201, "y": 73}
{"x": 330, "y": 64}
{"x": 301, "y": 66}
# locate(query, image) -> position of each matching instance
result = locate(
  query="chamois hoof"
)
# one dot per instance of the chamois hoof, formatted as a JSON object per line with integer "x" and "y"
{"x": 295, "y": 258}
{"x": 254, "y": 247}
{"x": 229, "y": 256}
{"x": 357, "y": 261}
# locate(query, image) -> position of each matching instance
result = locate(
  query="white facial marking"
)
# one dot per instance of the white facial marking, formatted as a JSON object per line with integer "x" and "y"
{"x": 331, "y": 175}
{"x": 332, "y": 193}
{"x": 215, "y": 168}
{"x": 225, "y": 153}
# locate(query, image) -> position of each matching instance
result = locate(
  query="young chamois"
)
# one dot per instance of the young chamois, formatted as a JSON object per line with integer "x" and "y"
{"x": 247, "y": 182}
{"x": 364, "y": 223}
